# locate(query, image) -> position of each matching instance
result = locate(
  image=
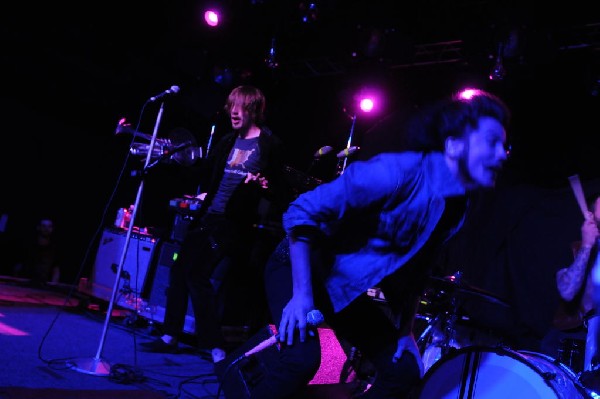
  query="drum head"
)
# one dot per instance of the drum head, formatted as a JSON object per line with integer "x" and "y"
{"x": 494, "y": 373}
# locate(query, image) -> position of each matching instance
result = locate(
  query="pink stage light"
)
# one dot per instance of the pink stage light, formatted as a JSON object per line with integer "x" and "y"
{"x": 367, "y": 104}
{"x": 211, "y": 17}
{"x": 467, "y": 94}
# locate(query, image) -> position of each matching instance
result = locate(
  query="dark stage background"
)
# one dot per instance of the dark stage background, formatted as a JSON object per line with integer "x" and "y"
{"x": 71, "y": 74}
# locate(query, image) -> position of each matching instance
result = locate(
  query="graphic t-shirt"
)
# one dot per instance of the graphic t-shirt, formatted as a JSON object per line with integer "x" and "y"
{"x": 243, "y": 158}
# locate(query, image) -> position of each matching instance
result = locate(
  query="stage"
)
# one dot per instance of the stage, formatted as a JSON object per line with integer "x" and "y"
{"x": 52, "y": 346}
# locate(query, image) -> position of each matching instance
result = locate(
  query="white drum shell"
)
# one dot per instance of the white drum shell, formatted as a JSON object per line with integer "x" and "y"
{"x": 499, "y": 373}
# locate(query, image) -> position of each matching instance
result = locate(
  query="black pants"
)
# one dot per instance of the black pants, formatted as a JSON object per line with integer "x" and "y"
{"x": 363, "y": 324}
{"x": 214, "y": 243}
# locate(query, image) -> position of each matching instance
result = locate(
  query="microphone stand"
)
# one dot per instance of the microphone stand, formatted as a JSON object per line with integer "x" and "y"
{"x": 342, "y": 163}
{"x": 97, "y": 365}
{"x": 208, "y": 145}
{"x": 212, "y": 132}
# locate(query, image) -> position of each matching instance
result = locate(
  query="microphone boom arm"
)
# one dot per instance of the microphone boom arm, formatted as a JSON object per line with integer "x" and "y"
{"x": 342, "y": 164}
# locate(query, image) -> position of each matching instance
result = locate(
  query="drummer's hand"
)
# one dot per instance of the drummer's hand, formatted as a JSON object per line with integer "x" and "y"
{"x": 408, "y": 343}
{"x": 589, "y": 230}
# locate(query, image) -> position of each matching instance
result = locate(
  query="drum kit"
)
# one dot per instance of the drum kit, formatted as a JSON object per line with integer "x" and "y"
{"x": 445, "y": 324}
{"x": 463, "y": 359}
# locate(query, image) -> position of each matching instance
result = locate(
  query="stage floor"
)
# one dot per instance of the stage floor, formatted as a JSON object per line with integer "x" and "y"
{"x": 55, "y": 343}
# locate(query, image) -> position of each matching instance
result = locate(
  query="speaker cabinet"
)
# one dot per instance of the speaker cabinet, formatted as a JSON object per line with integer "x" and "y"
{"x": 238, "y": 375}
{"x": 168, "y": 253}
{"x": 157, "y": 293}
{"x": 138, "y": 259}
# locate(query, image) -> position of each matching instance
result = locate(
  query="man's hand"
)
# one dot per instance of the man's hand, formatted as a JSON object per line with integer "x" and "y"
{"x": 294, "y": 316}
{"x": 264, "y": 183}
{"x": 408, "y": 343}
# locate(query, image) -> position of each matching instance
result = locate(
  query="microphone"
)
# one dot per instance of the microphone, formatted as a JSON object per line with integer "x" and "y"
{"x": 172, "y": 90}
{"x": 323, "y": 151}
{"x": 347, "y": 151}
{"x": 313, "y": 319}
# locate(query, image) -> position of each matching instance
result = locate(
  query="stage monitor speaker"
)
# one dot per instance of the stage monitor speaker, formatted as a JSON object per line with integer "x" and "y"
{"x": 138, "y": 259}
{"x": 238, "y": 379}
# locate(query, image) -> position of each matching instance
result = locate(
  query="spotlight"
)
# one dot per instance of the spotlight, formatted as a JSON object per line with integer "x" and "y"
{"x": 211, "y": 17}
{"x": 366, "y": 104}
{"x": 369, "y": 100}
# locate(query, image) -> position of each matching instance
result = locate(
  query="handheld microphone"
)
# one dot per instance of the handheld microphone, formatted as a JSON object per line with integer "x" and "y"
{"x": 171, "y": 90}
{"x": 313, "y": 319}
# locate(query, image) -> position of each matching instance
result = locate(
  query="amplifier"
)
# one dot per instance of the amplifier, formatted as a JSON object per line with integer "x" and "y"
{"x": 159, "y": 283}
{"x": 138, "y": 259}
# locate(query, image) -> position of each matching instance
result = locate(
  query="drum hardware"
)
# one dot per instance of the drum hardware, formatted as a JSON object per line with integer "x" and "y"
{"x": 421, "y": 341}
{"x": 590, "y": 362}
{"x": 447, "y": 328}
{"x": 434, "y": 342}
{"x": 299, "y": 181}
{"x": 456, "y": 285}
{"x": 570, "y": 353}
{"x": 450, "y": 321}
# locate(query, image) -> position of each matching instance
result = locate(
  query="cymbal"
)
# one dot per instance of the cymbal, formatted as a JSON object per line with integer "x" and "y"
{"x": 299, "y": 180}
{"x": 455, "y": 285}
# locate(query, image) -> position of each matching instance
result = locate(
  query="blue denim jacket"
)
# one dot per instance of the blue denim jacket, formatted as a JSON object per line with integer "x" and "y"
{"x": 378, "y": 214}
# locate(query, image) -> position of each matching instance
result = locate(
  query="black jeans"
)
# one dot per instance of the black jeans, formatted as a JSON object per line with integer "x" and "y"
{"x": 215, "y": 242}
{"x": 363, "y": 324}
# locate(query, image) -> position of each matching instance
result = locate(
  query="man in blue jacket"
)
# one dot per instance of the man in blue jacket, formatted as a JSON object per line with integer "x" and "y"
{"x": 378, "y": 225}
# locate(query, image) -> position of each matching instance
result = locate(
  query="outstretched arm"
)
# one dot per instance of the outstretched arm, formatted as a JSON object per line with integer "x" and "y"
{"x": 570, "y": 279}
{"x": 302, "y": 301}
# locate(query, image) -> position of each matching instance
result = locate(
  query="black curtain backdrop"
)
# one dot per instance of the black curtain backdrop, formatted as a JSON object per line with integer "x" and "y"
{"x": 512, "y": 246}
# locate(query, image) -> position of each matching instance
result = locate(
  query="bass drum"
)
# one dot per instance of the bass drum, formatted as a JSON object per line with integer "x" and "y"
{"x": 499, "y": 373}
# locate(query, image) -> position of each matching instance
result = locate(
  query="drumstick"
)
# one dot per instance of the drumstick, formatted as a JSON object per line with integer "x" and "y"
{"x": 578, "y": 191}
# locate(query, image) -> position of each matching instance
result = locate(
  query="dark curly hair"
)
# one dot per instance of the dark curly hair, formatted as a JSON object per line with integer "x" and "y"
{"x": 454, "y": 117}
